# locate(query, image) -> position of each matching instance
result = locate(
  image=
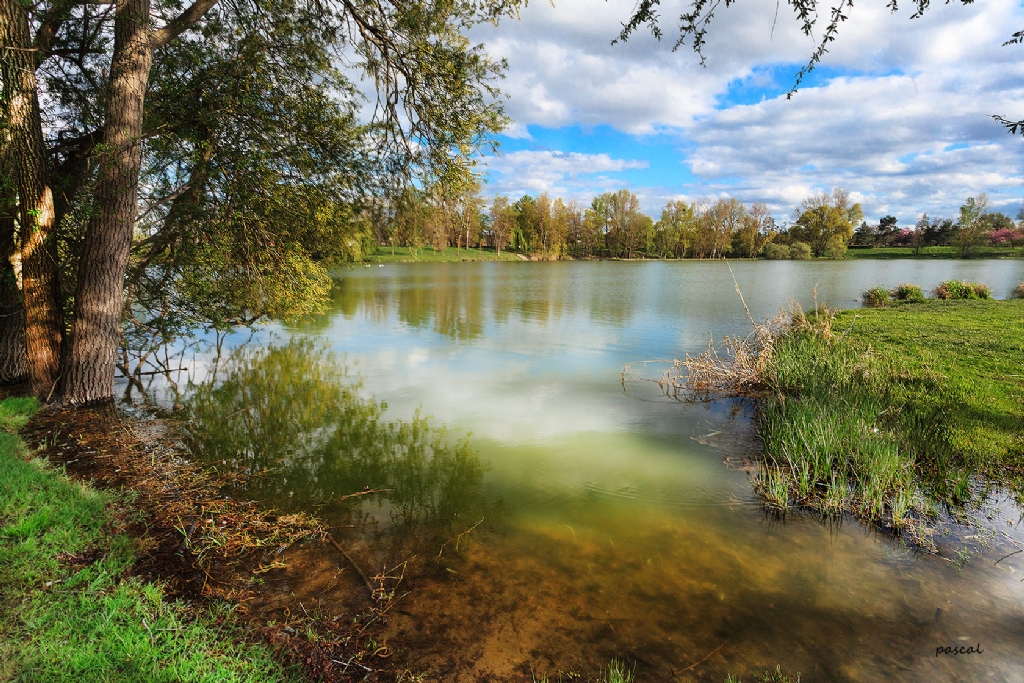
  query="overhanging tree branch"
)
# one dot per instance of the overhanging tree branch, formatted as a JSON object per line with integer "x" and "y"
{"x": 181, "y": 23}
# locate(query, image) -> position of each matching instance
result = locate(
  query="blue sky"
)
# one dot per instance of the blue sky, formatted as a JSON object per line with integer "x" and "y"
{"x": 899, "y": 113}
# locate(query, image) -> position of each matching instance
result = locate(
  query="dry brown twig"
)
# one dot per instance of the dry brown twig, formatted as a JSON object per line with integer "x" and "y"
{"x": 738, "y": 366}
{"x": 458, "y": 538}
{"x": 340, "y": 549}
{"x": 705, "y": 658}
{"x": 737, "y": 370}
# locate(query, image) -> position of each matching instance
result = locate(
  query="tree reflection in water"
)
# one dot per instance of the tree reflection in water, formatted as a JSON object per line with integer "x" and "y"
{"x": 292, "y": 419}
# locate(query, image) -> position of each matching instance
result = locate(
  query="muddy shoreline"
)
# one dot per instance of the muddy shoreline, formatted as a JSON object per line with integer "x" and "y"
{"x": 204, "y": 545}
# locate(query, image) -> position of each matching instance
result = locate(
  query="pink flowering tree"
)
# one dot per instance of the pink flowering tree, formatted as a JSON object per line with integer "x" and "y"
{"x": 1004, "y": 237}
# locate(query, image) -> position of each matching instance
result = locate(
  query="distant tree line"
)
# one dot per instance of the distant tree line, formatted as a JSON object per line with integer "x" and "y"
{"x": 613, "y": 226}
{"x": 975, "y": 226}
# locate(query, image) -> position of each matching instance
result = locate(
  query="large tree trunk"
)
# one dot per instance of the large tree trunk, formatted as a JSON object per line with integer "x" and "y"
{"x": 100, "y": 295}
{"x": 13, "y": 365}
{"x": 12, "y": 312}
{"x": 43, "y": 319}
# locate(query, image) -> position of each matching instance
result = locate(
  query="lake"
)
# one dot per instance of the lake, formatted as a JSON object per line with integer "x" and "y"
{"x": 566, "y": 516}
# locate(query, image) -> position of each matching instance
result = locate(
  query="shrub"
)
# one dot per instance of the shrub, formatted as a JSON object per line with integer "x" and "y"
{"x": 776, "y": 252}
{"x": 909, "y": 293}
{"x": 1018, "y": 293}
{"x": 836, "y": 248}
{"x": 876, "y": 297}
{"x": 961, "y": 289}
{"x": 800, "y": 251}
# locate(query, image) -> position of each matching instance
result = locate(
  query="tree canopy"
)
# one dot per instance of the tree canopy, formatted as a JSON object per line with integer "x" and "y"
{"x": 221, "y": 156}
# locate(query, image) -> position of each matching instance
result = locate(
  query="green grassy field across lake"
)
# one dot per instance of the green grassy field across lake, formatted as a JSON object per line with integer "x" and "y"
{"x": 446, "y": 255}
{"x": 933, "y": 252}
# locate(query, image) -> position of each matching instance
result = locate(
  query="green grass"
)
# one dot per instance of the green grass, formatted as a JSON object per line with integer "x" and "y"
{"x": 446, "y": 255}
{"x": 903, "y": 411}
{"x": 617, "y": 672}
{"x": 767, "y": 677}
{"x": 71, "y": 612}
{"x": 934, "y": 252}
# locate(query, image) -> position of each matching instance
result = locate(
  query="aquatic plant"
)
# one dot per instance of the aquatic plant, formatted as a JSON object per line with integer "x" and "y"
{"x": 735, "y": 367}
{"x": 908, "y": 293}
{"x": 901, "y": 505}
{"x": 767, "y": 677}
{"x": 879, "y": 297}
{"x": 618, "y": 672}
{"x": 889, "y": 420}
{"x": 876, "y": 297}
{"x": 773, "y": 485}
{"x": 962, "y": 289}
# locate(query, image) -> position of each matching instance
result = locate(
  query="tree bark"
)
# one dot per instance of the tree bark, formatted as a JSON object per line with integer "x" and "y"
{"x": 12, "y": 312}
{"x": 43, "y": 318}
{"x": 13, "y": 363}
{"x": 13, "y": 366}
{"x": 99, "y": 299}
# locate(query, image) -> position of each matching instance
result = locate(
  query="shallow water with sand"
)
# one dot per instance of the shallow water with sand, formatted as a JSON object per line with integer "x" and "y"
{"x": 573, "y": 517}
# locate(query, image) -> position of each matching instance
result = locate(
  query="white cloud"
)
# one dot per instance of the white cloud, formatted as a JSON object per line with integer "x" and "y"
{"x": 915, "y": 89}
{"x": 571, "y": 176}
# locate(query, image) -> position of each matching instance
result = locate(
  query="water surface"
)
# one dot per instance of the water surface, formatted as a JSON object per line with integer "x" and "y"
{"x": 607, "y": 521}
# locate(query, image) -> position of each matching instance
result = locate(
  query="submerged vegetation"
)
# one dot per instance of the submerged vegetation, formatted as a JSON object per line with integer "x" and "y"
{"x": 617, "y": 672}
{"x": 73, "y": 610}
{"x": 767, "y": 677}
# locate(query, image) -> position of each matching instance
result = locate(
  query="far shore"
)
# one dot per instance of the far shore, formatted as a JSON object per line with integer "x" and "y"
{"x": 473, "y": 254}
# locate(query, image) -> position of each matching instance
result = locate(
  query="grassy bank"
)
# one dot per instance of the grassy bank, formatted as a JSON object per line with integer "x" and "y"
{"x": 896, "y": 413}
{"x": 72, "y": 610}
{"x": 934, "y": 252}
{"x": 446, "y": 255}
